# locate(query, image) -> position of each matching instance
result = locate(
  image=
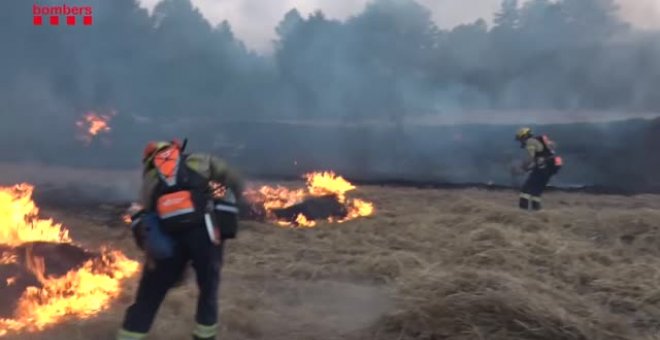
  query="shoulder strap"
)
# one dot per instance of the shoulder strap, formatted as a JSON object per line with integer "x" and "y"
{"x": 547, "y": 145}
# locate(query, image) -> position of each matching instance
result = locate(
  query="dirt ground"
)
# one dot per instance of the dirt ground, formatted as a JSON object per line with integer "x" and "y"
{"x": 431, "y": 264}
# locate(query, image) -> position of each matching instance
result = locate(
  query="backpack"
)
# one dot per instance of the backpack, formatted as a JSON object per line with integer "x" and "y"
{"x": 552, "y": 160}
{"x": 183, "y": 199}
{"x": 181, "y": 195}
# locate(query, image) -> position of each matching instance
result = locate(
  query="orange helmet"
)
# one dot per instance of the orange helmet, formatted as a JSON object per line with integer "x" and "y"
{"x": 153, "y": 147}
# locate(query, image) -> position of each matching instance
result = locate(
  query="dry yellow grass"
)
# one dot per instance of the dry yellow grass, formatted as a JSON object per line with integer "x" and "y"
{"x": 431, "y": 264}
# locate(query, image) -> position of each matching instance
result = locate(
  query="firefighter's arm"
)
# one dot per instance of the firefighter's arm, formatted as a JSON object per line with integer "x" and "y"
{"x": 137, "y": 211}
{"x": 149, "y": 182}
{"x": 221, "y": 172}
{"x": 529, "y": 161}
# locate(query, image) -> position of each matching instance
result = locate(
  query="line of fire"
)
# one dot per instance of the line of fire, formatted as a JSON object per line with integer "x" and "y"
{"x": 47, "y": 277}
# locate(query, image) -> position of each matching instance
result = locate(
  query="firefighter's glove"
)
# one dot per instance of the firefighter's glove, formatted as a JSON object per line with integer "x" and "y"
{"x": 137, "y": 225}
{"x": 134, "y": 210}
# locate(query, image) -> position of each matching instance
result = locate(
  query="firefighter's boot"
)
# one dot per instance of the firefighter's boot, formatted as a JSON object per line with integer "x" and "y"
{"x": 525, "y": 202}
{"x": 203, "y": 332}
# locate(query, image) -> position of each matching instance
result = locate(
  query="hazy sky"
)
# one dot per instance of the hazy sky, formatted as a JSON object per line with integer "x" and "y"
{"x": 254, "y": 21}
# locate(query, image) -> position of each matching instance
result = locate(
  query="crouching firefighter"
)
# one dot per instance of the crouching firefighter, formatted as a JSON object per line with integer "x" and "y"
{"x": 181, "y": 222}
{"x": 542, "y": 164}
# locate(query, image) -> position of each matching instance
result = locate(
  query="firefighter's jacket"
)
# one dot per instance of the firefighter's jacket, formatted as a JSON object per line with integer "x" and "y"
{"x": 209, "y": 167}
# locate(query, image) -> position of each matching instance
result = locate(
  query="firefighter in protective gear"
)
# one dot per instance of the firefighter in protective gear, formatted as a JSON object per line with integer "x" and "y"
{"x": 177, "y": 188}
{"x": 541, "y": 164}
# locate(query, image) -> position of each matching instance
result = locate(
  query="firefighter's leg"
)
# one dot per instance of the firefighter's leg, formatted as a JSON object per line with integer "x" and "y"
{"x": 154, "y": 284}
{"x": 207, "y": 262}
{"x": 181, "y": 281}
{"x": 525, "y": 201}
{"x": 541, "y": 181}
{"x": 536, "y": 203}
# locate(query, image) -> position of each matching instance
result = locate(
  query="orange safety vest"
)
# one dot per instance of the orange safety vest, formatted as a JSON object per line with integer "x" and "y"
{"x": 181, "y": 195}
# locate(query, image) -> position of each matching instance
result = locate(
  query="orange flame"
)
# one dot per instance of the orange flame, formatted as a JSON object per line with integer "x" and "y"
{"x": 317, "y": 184}
{"x": 278, "y": 197}
{"x": 81, "y": 293}
{"x": 8, "y": 258}
{"x": 19, "y": 222}
{"x": 302, "y": 221}
{"x": 93, "y": 124}
{"x": 328, "y": 183}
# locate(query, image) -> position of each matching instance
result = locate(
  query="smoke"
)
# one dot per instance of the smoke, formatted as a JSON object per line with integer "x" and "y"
{"x": 254, "y": 20}
{"x": 68, "y": 186}
{"x": 642, "y": 13}
{"x": 542, "y": 54}
{"x": 384, "y": 67}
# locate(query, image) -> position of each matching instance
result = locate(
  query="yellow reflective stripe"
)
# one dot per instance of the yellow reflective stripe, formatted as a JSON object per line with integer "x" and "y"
{"x": 126, "y": 335}
{"x": 203, "y": 331}
{"x": 526, "y": 196}
{"x": 536, "y": 199}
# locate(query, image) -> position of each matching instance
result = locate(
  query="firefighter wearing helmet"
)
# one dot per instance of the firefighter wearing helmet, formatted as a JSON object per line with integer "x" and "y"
{"x": 542, "y": 163}
{"x": 181, "y": 221}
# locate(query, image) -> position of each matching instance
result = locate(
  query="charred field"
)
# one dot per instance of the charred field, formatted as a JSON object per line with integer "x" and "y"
{"x": 429, "y": 264}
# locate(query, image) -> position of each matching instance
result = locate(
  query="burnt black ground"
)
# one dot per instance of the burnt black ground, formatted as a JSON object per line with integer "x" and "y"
{"x": 16, "y": 277}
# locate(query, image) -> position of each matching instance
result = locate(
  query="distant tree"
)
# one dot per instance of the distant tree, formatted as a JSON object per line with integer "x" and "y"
{"x": 392, "y": 44}
{"x": 388, "y": 61}
{"x": 592, "y": 20}
{"x": 508, "y": 16}
{"x": 290, "y": 23}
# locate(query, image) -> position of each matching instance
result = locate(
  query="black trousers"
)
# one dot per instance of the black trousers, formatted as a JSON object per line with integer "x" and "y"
{"x": 194, "y": 246}
{"x": 532, "y": 190}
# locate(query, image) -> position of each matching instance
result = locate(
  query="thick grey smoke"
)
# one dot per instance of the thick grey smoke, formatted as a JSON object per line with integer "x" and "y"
{"x": 172, "y": 73}
{"x": 391, "y": 57}
{"x": 254, "y": 20}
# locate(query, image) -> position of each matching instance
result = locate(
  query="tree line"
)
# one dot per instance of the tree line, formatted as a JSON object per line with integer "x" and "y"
{"x": 389, "y": 60}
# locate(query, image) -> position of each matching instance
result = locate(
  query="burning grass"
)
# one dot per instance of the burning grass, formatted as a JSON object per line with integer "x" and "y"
{"x": 432, "y": 264}
{"x": 45, "y": 277}
{"x": 324, "y": 198}
{"x": 92, "y": 125}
